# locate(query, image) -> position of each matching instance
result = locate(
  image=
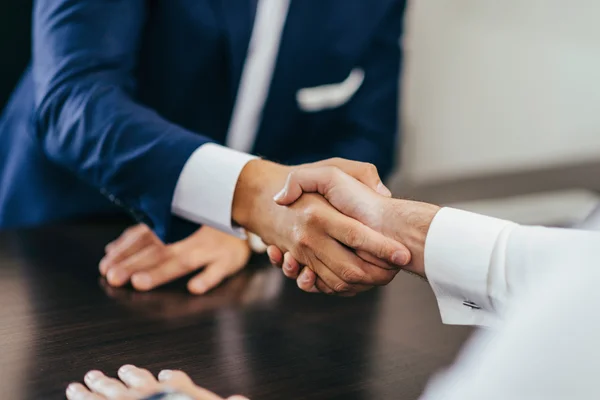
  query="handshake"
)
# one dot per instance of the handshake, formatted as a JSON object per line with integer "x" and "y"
{"x": 331, "y": 225}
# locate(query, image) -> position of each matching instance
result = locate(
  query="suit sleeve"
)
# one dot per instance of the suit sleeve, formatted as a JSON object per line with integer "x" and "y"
{"x": 368, "y": 127}
{"x": 88, "y": 121}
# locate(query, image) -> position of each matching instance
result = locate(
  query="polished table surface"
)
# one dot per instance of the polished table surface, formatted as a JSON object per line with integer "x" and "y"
{"x": 257, "y": 334}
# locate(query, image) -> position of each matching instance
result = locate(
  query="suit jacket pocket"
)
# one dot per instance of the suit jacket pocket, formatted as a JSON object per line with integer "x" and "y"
{"x": 330, "y": 96}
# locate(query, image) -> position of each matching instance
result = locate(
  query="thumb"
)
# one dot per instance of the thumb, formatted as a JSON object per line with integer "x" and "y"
{"x": 346, "y": 194}
{"x": 308, "y": 180}
{"x": 366, "y": 173}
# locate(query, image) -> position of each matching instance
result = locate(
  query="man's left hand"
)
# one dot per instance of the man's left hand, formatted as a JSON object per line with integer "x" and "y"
{"x": 139, "y": 256}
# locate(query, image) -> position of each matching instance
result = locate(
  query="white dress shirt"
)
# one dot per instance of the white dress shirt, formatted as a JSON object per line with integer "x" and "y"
{"x": 205, "y": 189}
{"x": 538, "y": 287}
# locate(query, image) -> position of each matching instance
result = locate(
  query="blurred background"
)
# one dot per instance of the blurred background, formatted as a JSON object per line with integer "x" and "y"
{"x": 501, "y": 104}
{"x": 501, "y": 107}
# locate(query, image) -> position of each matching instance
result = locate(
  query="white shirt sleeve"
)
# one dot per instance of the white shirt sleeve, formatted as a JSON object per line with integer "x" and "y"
{"x": 205, "y": 189}
{"x": 464, "y": 261}
{"x": 476, "y": 264}
{"x": 547, "y": 347}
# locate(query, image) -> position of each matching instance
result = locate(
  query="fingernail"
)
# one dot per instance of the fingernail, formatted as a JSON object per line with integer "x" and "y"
{"x": 116, "y": 276}
{"x": 72, "y": 388}
{"x": 126, "y": 369}
{"x": 103, "y": 266}
{"x": 198, "y": 287}
{"x": 287, "y": 266}
{"x": 165, "y": 374}
{"x": 92, "y": 376}
{"x": 142, "y": 281}
{"x": 383, "y": 190}
{"x": 304, "y": 277}
{"x": 279, "y": 195}
{"x": 400, "y": 258}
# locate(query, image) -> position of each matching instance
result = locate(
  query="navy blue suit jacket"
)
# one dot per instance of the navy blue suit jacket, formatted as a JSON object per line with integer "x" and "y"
{"x": 121, "y": 92}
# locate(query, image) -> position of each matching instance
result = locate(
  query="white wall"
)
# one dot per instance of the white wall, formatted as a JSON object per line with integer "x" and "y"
{"x": 497, "y": 85}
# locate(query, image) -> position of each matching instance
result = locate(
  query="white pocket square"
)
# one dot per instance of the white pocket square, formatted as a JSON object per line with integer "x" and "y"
{"x": 330, "y": 96}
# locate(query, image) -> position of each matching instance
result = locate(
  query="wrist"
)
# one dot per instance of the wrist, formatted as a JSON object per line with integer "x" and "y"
{"x": 408, "y": 222}
{"x": 258, "y": 182}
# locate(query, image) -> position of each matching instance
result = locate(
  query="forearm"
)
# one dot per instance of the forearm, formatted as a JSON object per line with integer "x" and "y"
{"x": 89, "y": 122}
{"x": 113, "y": 144}
{"x": 477, "y": 265}
{"x": 463, "y": 256}
{"x": 258, "y": 182}
{"x": 408, "y": 222}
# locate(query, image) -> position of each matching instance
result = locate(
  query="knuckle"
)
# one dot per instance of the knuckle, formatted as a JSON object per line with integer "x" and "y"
{"x": 381, "y": 252}
{"x": 353, "y": 275}
{"x": 301, "y": 238}
{"x": 311, "y": 215}
{"x": 341, "y": 287}
{"x": 354, "y": 238}
{"x": 186, "y": 266}
{"x": 138, "y": 229}
{"x": 158, "y": 253}
{"x": 146, "y": 235}
{"x": 144, "y": 228}
{"x": 370, "y": 168}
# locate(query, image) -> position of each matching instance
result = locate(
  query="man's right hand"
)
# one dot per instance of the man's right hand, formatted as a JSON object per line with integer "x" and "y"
{"x": 315, "y": 233}
{"x": 403, "y": 220}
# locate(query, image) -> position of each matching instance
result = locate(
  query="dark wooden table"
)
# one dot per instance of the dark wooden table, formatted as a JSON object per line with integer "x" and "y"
{"x": 257, "y": 334}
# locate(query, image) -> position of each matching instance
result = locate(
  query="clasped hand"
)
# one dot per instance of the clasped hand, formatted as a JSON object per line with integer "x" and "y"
{"x": 405, "y": 221}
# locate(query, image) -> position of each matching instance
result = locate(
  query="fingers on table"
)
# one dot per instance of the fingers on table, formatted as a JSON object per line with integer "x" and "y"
{"x": 165, "y": 272}
{"x": 130, "y": 242}
{"x": 119, "y": 274}
{"x": 212, "y": 276}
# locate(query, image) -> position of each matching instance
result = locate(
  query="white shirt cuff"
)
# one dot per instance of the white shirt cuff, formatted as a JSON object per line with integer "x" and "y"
{"x": 205, "y": 189}
{"x": 460, "y": 251}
